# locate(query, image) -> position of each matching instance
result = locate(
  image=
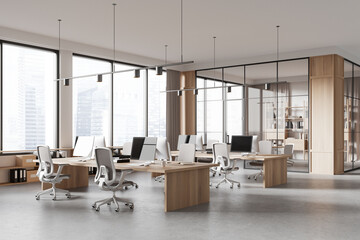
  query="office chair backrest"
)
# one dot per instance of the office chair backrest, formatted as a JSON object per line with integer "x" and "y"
{"x": 45, "y": 161}
{"x": 105, "y": 165}
{"x": 210, "y": 142}
{"x": 255, "y": 144}
{"x": 221, "y": 154}
{"x": 126, "y": 148}
{"x": 187, "y": 153}
{"x": 289, "y": 149}
{"x": 265, "y": 147}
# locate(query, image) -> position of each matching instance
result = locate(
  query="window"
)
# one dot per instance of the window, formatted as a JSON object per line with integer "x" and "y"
{"x": 129, "y": 105}
{"x": 156, "y": 104}
{"x": 210, "y": 110}
{"x": 91, "y": 100}
{"x": 28, "y": 97}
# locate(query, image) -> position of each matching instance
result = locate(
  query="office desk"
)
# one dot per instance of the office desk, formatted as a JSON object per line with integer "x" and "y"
{"x": 185, "y": 185}
{"x": 275, "y": 166}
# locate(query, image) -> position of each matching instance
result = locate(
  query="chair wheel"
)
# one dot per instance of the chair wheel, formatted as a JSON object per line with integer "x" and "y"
{"x": 255, "y": 179}
{"x": 217, "y": 186}
{"x": 131, "y": 206}
{"x": 214, "y": 174}
{"x": 37, "y": 197}
{"x": 108, "y": 203}
{"x": 248, "y": 177}
{"x": 93, "y": 206}
{"x": 231, "y": 186}
{"x": 97, "y": 209}
{"x": 136, "y": 186}
{"x": 239, "y": 185}
{"x": 54, "y": 199}
{"x": 116, "y": 210}
{"x": 126, "y": 188}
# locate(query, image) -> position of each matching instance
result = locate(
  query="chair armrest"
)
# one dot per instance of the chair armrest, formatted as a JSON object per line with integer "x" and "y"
{"x": 121, "y": 176}
{"x": 59, "y": 170}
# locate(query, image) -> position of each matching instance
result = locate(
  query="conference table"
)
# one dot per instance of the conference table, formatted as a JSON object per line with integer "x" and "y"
{"x": 274, "y": 165}
{"x": 184, "y": 185}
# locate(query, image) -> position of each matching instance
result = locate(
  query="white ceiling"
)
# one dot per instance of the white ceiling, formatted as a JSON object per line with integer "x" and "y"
{"x": 244, "y": 29}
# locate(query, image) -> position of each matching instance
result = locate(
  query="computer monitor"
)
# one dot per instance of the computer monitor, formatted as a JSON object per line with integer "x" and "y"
{"x": 183, "y": 139}
{"x": 241, "y": 143}
{"x": 149, "y": 149}
{"x": 162, "y": 151}
{"x": 99, "y": 141}
{"x": 137, "y": 146}
{"x": 197, "y": 141}
{"x": 83, "y": 146}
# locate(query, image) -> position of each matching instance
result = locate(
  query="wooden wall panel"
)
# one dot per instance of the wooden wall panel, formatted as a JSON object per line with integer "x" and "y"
{"x": 327, "y": 114}
{"x": 188, "y": 103}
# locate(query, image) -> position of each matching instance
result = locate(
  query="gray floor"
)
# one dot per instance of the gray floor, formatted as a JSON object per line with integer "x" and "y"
{"x": 308, "y": 207}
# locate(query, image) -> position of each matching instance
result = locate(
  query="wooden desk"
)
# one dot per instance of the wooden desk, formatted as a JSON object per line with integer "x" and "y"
{"x": 185, "y": 185}
{"x": 275, "y": 166}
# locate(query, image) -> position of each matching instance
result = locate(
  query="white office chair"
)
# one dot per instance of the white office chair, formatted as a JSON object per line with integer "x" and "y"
{"x": 221, "y": 156}
{"x": 289, "y": 150}
{"x": 265, "y": 147}
{"x": 46, "y": 173}
{"x": 126, "y": 148}
{"x": 187, "y": 153}
{"x": 108, "y": 180}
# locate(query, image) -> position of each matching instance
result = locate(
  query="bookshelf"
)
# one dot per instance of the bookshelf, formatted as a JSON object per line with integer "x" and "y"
{"x": 292, "y": 126}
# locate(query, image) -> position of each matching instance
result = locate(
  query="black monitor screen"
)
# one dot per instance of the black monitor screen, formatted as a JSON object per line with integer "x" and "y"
{"x": 241, "y": 143}
{"x": 137, "y": 146}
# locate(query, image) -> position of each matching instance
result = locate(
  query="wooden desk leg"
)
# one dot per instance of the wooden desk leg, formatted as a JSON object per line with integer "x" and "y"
{"x": 79, "y": 177}
{"x": 275, "y": 172}
{"x": 186, "y": 188}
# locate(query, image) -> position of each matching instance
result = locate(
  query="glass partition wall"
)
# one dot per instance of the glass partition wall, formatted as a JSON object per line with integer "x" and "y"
{"x": 351, "y": 116}
{"x": 266, "y": 100}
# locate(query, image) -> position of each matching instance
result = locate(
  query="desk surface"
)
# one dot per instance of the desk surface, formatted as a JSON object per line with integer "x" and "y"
{"x": 239, "y": 155}
{"x": 153, "y": 168}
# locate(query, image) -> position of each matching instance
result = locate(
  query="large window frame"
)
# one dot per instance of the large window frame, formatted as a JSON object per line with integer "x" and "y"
{"x": 246, "y": 97}
{"x": 146, "y": 93}
{"x": 56, "y": 93}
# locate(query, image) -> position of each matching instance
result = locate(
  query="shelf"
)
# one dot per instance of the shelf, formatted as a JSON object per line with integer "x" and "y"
{"x": 18, "y": 183}
{"x": 16, "y": 167}
{"x": 297, "y": 107}
{"x": 294, "y": 119}
{"x": 295, "y": 130}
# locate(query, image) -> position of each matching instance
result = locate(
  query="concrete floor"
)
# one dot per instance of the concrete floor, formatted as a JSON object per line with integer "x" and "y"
{"x": 308, "y": 207}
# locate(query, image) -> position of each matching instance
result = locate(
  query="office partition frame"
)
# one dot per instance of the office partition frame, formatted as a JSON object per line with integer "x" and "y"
{"x": 352, "y": 99}
{"x": 246, "y": 99}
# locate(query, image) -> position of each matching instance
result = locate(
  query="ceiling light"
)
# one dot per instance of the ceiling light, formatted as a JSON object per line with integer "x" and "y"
{"x": 136, "y": 73}
{"x": 159, "y": 70}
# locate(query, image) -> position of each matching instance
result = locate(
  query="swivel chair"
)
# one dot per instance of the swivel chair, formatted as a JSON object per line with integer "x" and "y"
{"x": 46, "y": 173}
{"x": 108, "y": 179}
{"x": 221, "y": 156}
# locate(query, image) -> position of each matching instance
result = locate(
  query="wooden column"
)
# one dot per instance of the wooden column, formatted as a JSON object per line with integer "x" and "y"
{"x": 188, "y": 103}
{"x": 327, "y": 114}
